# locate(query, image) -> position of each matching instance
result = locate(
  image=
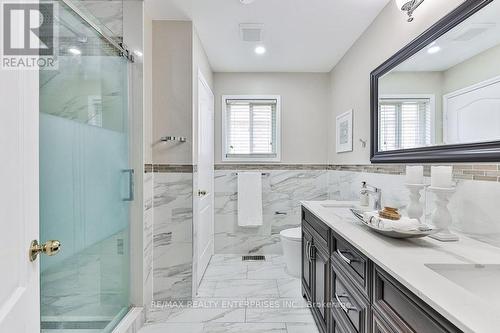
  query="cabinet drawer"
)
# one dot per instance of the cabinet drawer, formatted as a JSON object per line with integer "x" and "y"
{"x": 403, "y": 311}
{"x": 350, "y": 306}
{"x": 355, "y": 264}
{"x": 321, "y": 228}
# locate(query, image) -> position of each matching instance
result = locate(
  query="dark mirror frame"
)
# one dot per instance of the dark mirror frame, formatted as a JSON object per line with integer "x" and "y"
{"x": 474, "y": 152}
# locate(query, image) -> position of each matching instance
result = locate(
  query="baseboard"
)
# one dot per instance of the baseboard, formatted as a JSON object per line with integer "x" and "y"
{"x": 132, "y": 322}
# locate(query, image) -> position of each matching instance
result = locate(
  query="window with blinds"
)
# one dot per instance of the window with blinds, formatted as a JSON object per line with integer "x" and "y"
{"x": 251, "y": 128}
{"x": 405, "y": 123}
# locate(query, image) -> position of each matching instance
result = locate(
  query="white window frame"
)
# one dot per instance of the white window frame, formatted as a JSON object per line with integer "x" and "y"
{"x": 257, "y": 158}
{"x": 430, "y": 97}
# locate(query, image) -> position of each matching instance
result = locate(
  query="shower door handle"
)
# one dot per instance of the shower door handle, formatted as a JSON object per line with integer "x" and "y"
{"x": 130, "y": 196}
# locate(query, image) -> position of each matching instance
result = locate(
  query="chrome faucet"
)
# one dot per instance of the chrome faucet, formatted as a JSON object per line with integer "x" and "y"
{"x": 373, "y": 191}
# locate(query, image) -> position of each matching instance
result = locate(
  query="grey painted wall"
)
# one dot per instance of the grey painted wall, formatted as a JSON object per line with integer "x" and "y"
{"x": 305, "y": 106}
{"x": 172, "y": 90}
{"x": 350, "y": 83}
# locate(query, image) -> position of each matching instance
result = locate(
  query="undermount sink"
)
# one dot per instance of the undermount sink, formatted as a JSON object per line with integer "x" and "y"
{"x": 481, "y": 280}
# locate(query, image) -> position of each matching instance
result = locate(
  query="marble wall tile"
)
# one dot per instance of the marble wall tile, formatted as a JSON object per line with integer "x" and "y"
{"x": 172, "y": 236}
{"x": 345, "y": 185}
{"x": 282, "y": 192}
{"x": 473, "y": 205}
{"x": 148, "y": 239}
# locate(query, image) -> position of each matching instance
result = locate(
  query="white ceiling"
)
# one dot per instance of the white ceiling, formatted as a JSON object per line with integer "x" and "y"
{"x": 300, "y": 35}
{"x": 454, "y": 52}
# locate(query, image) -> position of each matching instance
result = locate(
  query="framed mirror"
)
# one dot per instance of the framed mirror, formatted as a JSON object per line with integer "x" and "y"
{"x": 438, "y": 99}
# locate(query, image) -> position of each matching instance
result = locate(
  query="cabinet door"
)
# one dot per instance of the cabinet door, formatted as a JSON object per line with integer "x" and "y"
{"x": 306, "y": 263}
{"x": 378, "y": 325}
{"x": 321, "y": 283}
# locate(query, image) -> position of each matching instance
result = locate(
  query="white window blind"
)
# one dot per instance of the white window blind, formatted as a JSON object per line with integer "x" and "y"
{"x": 404, "y": 123}
{"x": 251, "y": 128}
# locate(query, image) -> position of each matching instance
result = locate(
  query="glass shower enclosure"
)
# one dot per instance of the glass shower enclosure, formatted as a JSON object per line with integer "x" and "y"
{"x": 86, "y": 183}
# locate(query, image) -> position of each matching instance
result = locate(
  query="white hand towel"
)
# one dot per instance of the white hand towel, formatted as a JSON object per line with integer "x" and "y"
{"x": 405, "y": 224}
{"x": 249, "y": 199}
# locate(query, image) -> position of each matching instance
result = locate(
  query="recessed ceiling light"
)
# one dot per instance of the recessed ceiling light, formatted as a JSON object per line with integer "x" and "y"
{"x": 260, "y": 50}
{"x": 74, "y": 51}
{"x": 246, "y": 2}
{"x": 434, "y": 49}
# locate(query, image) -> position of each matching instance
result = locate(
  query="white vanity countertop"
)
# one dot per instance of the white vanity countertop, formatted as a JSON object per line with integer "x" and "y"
{"x": 405, "y": 260}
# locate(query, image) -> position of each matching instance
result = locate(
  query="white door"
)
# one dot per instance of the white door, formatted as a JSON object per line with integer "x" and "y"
{"x": 19, "y": 278}
{"x": 205, "y": 205}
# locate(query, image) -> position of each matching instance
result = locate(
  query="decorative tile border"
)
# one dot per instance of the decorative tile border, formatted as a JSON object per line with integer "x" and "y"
{"x": 391, "y": 169}
{"x": 169, "y": 168}
{"x": 487, "y": 172}
{"x": 484, "y": 172}
{"x": 271, "y": 167}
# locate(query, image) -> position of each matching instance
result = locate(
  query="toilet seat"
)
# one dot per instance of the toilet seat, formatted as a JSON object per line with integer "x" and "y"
{"x": 294, "y": 234}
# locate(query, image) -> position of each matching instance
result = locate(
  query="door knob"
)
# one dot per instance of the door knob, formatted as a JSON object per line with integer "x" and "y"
{"x": 50, "y": 248}
{"x": 202, "y": 193}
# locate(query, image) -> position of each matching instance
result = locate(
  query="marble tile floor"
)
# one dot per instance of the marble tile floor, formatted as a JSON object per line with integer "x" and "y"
{"x": 238, "y": 297}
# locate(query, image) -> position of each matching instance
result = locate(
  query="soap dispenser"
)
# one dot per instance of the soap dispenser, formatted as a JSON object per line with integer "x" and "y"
{"x": 364, "y": 197}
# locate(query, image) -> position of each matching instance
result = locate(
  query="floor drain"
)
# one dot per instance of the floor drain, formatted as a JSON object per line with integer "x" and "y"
{"x": 253, "y": 258}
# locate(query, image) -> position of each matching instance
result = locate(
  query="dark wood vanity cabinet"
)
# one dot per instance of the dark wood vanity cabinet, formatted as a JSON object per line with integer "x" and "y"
{"x": 350, "y": 294}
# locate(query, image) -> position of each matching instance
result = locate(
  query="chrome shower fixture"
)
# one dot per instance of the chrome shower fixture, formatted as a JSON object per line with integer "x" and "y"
{"x": 409, "y": 7}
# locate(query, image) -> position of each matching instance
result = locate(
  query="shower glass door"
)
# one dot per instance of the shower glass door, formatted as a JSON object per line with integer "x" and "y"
{"x": 85, "y": 181}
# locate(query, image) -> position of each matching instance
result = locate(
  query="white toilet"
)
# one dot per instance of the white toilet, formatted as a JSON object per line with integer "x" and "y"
{"x": 291, "y": 241}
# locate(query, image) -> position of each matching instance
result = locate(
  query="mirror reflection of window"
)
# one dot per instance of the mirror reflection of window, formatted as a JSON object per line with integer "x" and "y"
{"x": 405, "y": 123}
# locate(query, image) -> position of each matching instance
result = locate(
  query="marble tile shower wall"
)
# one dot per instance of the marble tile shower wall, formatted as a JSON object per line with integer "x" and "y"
{"x": 282, "y": 192}
{"x": 148, "y": 220}
{"x": 474, "y": 205}
{"x": 108, "y": 13}
{"x": 172, "y": 235}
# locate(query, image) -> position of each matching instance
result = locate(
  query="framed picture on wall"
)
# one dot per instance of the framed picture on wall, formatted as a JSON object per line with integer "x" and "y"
{"x": 344, "y": 132}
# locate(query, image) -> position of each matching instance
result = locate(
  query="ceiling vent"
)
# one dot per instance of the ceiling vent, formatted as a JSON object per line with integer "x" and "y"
{"x": 251, "y": 32}
{"x": 472, "y": 31}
